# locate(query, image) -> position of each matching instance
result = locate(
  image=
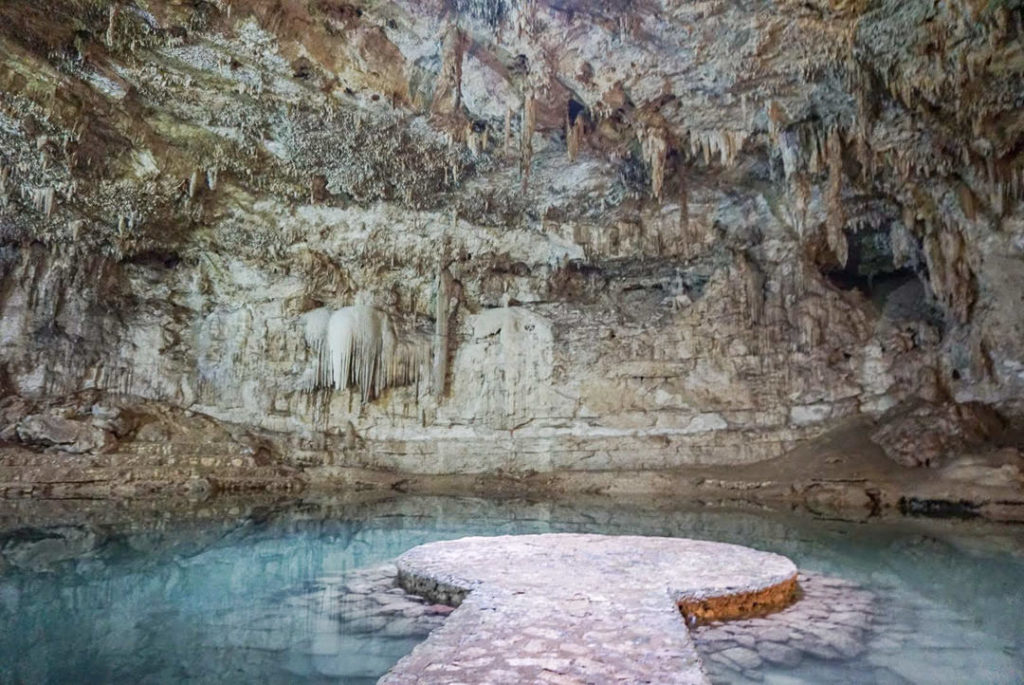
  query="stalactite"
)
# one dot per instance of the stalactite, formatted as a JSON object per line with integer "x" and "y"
{"x": 529, "y": 125}
{"x": 776, "y": 120}
{"x": 460, "y": 52}
{"x": 949, "y": 273}
{"x": 441, "y": 339}
{"x": 902, "y": 244}
{"x": 193, "y": 183}
{"x": 654, "y": 144}
{"x": 800, "y": 191}
{"x": 724, "y": 144}
{"x": 573, "y": 136}
{"x": 753, "y": 280}
{"x": 524, "y": 17}
{"x": 981, "y": 364}
{"x": 476, "y": 140}
{"x": 721, "y": 143}
{"x": 357, "y": 346}
{"x": 684, "y": 213}
{"x": 508, "y": 132}
{"x": 959, "y": 278}
{"x": 967, "y": 201}
{"x": 112, "y": 13}
{"x": 529, "y": 120}
{"x": 42, "y": 200}
{"x": 789, "y": 148}
{"x": 835, "y": 236}
{"x": 448, "y": 98}
{"x": 315, "y": 324}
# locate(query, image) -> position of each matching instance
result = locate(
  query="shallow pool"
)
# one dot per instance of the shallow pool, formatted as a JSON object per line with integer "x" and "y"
{"x": 224, "y": 591}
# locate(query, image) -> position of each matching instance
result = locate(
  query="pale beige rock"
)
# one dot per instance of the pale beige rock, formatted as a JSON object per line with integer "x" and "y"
{"x": 582, "y": 607}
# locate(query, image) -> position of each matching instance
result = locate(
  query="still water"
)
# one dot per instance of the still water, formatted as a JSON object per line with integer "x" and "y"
{"x": 228, "y": 592}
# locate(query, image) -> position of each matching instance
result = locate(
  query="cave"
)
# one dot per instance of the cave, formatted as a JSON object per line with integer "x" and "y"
{"x": 382, "y": 341}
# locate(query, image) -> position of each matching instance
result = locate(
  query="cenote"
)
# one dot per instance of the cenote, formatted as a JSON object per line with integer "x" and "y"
{"x": 512, "y": 341}
{"x": 230, "y": 592}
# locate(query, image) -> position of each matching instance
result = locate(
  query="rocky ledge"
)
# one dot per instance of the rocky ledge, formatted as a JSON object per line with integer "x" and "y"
{"x": 833, "y": 620}
{"x": 579, "y": 608}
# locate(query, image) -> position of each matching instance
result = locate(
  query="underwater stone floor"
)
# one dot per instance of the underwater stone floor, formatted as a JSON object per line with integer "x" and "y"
{"x": 305, "y": 592}
{"x": 584, "y": 608}
{"x": 834, "y": 620}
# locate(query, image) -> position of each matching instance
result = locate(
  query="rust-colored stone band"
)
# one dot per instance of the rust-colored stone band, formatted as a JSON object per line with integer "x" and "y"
{"x": 743, "y": 605}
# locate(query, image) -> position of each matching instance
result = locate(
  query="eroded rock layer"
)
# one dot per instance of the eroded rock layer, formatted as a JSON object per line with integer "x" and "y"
{"x": 627, "y": 234}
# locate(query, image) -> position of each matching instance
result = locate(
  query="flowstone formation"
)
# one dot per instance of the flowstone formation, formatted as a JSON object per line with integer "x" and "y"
{"x": 357, "y": 346}
{"x": 512, "y": 237}
{"x": 580, "y": 608}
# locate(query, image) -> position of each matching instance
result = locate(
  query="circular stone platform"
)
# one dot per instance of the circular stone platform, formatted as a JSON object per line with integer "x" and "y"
{"x": 581, "y": 608}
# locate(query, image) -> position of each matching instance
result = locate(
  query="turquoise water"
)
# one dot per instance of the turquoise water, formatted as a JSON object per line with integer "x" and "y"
{"x": 230, "y": 593}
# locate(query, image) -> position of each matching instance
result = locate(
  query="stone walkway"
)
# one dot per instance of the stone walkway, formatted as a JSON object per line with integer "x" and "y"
{"x": 580, "y": 608}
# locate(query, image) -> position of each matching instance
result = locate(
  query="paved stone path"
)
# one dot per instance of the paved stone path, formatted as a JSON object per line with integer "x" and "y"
{"x": 579, "y": 608}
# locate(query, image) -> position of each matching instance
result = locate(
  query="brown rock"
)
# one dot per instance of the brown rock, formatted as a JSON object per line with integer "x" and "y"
{"x": 65, "y": 435}
{"x": 926, "y": 434}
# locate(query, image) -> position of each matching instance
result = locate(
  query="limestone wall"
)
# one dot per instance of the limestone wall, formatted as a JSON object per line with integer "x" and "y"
{"x": 669, "y": 234}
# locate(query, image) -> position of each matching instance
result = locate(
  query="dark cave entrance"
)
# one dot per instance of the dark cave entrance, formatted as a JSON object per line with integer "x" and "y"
{"x": 870, "y": 269}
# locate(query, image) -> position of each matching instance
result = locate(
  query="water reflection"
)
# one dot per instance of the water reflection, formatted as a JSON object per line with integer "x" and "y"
{"x": 234, "y": 592}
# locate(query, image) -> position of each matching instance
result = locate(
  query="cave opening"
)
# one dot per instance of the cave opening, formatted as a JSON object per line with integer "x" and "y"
{"x": 870, "y": 266}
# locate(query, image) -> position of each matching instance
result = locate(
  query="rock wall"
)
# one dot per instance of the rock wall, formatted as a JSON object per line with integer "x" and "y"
{"x": 628, "y": 234}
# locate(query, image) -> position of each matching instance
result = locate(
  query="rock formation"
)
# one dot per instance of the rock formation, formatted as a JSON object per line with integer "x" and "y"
{"x": 615, "y": 234}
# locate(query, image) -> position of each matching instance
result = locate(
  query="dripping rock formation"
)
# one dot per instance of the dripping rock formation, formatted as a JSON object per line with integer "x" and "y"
{"x": 743, "y": 249}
